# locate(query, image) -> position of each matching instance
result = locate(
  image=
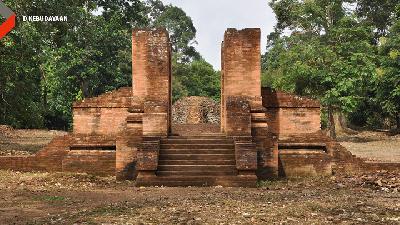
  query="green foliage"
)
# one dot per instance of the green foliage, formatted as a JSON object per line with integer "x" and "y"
{"x": 328, "y": 55}
{"x": 124, "y": 13}
{"x": 191, "y": 74}
{"x": 53, "y": 64}
{"x": 181, "y": 30}
{"x": 45, "y": 67}
{"x": 388, "y": 84}
{"x": 312, "y": 16}
{"x": 377, "y": 13}
{"x": 85, "y": 65}
{"x": 197, "y": 78}
{"x": 332, "y": 67}
{"x": 348, "y": 57}
{"x": 20, "y": 100}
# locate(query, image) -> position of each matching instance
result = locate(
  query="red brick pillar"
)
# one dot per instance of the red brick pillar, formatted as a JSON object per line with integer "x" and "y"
{"x": 241, "y": 82}
{"x": 241, "y": 69}
{"x": 151, "y": 68}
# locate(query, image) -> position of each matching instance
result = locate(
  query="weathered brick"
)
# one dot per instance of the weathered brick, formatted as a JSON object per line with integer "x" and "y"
{"x": 246, "y": 156}
{"x": 241, "y": 67}
{"x": 148, "y": 156}
{"x": 102, "y": 115}
{"x": 238, "y": 117}
{"x": 96, "y": 162}
{"x": 291, "y": 114}
{"x": 151, "y": 69}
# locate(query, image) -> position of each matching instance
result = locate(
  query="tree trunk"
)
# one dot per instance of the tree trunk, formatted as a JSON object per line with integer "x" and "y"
{"x": 45, "y": 98}
{"x": 340, "y": 122}
{"x": 398, "y": 122}
{"x": 85, "y": 89}
{"x": 332, "y": 128}
{"x": 44, "y": 88}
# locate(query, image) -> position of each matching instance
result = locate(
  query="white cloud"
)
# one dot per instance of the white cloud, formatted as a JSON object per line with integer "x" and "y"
{"x": 212, "y": 17}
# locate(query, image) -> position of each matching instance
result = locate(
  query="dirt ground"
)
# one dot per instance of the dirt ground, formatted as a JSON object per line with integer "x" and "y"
{"x": 24, "y": 142}
{"x": 62, "y": 198}
{"x": 53, "y": 198}
{"x": 373, "y": 146}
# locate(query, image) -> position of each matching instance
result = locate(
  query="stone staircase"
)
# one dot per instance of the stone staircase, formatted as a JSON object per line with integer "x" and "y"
{"x": 206, "y": 160}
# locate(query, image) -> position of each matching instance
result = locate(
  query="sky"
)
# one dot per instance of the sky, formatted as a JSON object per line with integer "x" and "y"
{"x": 212, "y": 17}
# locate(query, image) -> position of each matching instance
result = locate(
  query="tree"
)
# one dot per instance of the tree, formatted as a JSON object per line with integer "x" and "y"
{"x": 94, "y": 58}
{"x": 20, "y": 95}
{"x": 82, "y": 58}
{"x": 191, "y": 74}
{"x": 313, "y": 16}
{"x": 155, "y": 8}
{"x": 197, "y": 78}
{"x": 181, "y": 30}
{"x": 128, "y": 13}
{"x": 388, "y": 84}
{"x": 377, "y": 13}
{"x": 328, "y": 54}
{"x": 45, "y": 67}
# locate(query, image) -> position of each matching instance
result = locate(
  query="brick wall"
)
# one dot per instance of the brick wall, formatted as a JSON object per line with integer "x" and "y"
{"x": 238, "y": 116}
{"x": 128, "y": 144}
{"x": 17, "y": 163}
{"x": 48, "y": 159}
{"x": 97, "y": 162}
{"x": 241, "y": 83}
{"x": 102, "y": 115}
{"x": 267, "y": 157}
{"x": 314, "y": 154}
{"x": 288, "y": 114}
{"x": 151, "y": 70}
{"x": 302, "y": 155}
{"x": 87, "y": 155}
{"x": 101, "y": 121}
{"x": 126, "y": 157}
{"x": 90, "y": 154}
{"x": 293, "y": 120}
{"x": 304, "y": 165}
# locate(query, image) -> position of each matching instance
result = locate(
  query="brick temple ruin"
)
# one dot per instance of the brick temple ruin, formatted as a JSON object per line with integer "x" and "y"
{"x": 128, "y": 133}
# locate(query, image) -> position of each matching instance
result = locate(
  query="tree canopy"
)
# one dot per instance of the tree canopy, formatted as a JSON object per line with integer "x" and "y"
{"x": 45, "y": 67}
{"x": 336, "y": 51}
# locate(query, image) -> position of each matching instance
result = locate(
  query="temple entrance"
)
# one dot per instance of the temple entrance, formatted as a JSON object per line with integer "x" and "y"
{"x": 240, "y": 77}
{"x": 196, "y": 151}
{"x": 195, "y": 115}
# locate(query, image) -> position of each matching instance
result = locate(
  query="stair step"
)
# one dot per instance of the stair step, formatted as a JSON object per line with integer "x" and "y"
{"x": 198, "y": 168}
{"x": 177, "y": 181}
{"x": 210, "y": 136}
{"x": 196, "y": 173}
{"x": 196, "y": 141}
{"x": 197, "y": 162}
{"x": 196, "y": 151}
{"x": 197, "y": 156}
{"x": 197, "y": 146}
{"x": 204, "y": 160}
